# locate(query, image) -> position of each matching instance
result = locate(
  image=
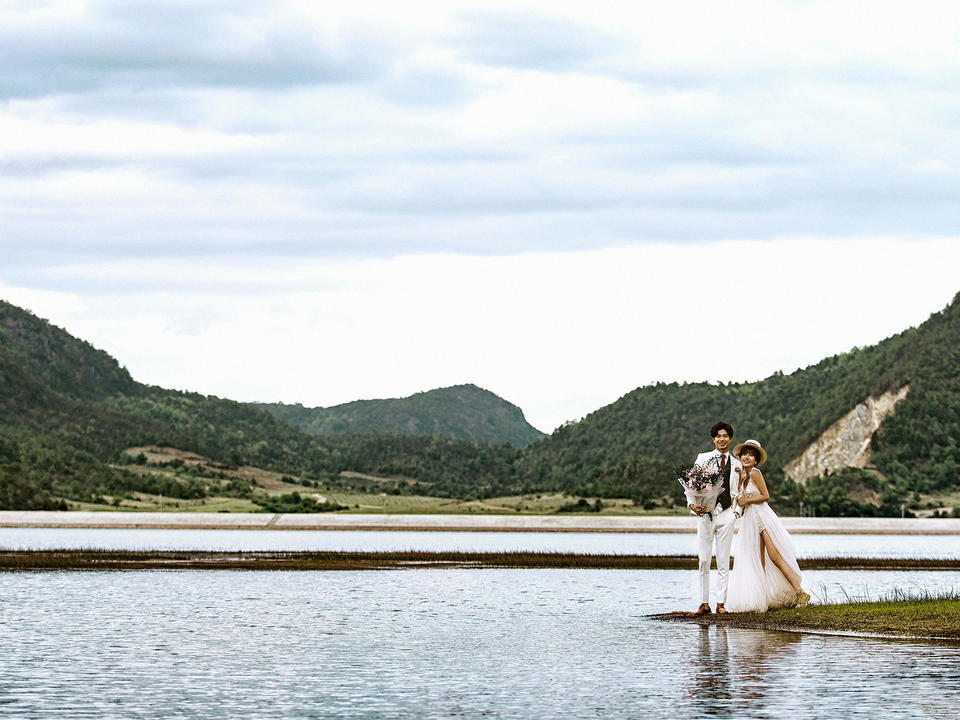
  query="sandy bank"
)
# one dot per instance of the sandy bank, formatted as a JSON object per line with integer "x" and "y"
{"x": 480, "y": 523}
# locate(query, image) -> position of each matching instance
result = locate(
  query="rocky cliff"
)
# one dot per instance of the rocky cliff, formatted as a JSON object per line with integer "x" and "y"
{"x": 846, "y": 443}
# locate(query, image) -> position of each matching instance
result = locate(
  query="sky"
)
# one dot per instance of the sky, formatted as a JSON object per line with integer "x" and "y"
{"x": 560, "y": 202}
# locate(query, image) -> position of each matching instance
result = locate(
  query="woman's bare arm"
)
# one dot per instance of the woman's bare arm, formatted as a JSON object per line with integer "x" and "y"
{"x": 763, "y": 495}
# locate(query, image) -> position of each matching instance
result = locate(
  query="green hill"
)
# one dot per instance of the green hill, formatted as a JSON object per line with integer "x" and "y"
{"x": 626, "y": 446}
{"x": 69, "y": 411}
{"x": 464, "y": 412}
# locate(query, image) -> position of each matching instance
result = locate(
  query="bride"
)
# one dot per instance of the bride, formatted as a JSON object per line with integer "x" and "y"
{"x": 765, "y": 571}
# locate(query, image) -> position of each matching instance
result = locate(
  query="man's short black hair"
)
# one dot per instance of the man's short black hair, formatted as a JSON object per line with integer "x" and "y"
{"x": 721, "y": 426}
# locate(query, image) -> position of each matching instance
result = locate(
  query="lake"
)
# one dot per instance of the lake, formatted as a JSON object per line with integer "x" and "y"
{"x": 808, "y": 546}
{"x": 444, "y": 643}
{"x": 431, "y": 643}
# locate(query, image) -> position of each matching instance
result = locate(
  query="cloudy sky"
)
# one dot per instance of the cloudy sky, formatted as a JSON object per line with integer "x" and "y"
{"x": 320, "y": 202}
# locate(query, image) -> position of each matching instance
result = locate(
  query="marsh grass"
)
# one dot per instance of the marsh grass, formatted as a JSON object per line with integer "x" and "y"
{"x": 88, "y": 559}
{"x": 329, "y": 560}
{"x": 920, "y": 613}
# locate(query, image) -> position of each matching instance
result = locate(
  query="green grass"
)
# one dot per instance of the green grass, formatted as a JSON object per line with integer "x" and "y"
{"x": 364, "y": 503}
{"x": 937, "y": 502}
{"x": 934, "y": 617}
{"x": 142, "y": 502}
{"x": 900, "y": 614}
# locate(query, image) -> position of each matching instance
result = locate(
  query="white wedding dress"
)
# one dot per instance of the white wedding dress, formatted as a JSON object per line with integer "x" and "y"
{"x": 756, "y": 586}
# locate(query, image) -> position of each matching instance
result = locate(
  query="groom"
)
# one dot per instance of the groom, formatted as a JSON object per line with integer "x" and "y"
{"x": 716, "y": 518}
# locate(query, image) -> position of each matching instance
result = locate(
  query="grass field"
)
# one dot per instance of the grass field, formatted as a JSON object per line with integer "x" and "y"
{"x": 182, "y": 467}
{"x": 178, "y": 466}
{"x": 543, "y": 504}
{"x": 943, "y": 504}
{"x": 155, "y": 503}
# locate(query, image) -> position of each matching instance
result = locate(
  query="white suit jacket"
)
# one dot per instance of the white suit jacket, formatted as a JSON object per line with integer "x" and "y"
{"x": 702, "y": 459}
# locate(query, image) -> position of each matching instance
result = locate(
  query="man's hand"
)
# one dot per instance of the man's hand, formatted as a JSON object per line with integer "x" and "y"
{"x": 698, "y": 509}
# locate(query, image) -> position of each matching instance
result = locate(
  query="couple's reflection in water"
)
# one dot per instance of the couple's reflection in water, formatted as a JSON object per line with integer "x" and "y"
{"x": 736, "y": 669}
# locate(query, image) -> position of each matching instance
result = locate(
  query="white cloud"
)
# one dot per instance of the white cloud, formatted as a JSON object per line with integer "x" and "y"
{"x": 190, "y": 185}
{"x": 651, "y": 112}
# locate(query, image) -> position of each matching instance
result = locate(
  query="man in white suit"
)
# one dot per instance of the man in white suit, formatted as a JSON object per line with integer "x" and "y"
{"x": 716, "y": 518}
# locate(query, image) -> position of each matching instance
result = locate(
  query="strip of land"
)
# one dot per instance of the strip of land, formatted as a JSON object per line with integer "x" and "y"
{"x": 913, "y": 618}
{"x": 80, "y": 559}
{"x": 459, "y": 523}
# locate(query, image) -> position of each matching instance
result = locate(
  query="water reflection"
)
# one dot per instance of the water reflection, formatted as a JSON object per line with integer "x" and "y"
{"x": 428, "y": 644}
{"x": 735, "y": 671}
{"x": 709, "y": 685}
{"x": 757, "y": 656}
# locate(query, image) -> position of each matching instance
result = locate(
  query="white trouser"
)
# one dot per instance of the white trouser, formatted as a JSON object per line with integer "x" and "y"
{"x": 719, "y": 528}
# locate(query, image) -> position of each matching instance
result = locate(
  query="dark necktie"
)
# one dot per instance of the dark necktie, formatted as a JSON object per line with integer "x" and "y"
{"x": 723, "y": 461}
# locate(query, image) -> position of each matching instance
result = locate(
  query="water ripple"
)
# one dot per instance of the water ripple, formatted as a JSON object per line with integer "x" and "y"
{"x": 435, "y": 644}
{"x": 808, "y": 546}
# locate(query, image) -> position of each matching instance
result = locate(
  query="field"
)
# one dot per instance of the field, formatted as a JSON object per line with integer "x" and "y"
{"x": 937, "y": 504}
{"x": 232, "y": 489}
{"x": 371, "y": 503}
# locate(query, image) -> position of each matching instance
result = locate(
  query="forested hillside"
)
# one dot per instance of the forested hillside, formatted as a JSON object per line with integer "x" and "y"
{"x": 916, "y": 449}
{"x": 68, "y": 411}
{"x": 464, "y": 412}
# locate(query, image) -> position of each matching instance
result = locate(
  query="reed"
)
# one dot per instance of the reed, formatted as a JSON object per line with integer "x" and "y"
{"x": 89, "y": 559}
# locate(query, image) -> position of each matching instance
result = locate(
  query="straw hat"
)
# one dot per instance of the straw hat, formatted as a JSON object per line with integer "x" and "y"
{"x": 756, "y": 446}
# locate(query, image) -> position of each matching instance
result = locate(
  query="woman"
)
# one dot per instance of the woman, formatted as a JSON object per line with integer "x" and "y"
{"x": 765, "y": 571}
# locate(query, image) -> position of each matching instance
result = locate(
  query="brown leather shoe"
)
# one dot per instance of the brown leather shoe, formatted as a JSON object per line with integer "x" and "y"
{"x": 703, "y": 610}
{"x": 721, "y": 610}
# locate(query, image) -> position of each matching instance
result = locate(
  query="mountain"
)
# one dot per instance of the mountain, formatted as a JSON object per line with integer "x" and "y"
{"x": 68, "y": 411}
{"x": 55, "y": 359}
{"x": 915, "y": 449}
{"x": 465, "y": 412}
{"x": 880, "y": 423}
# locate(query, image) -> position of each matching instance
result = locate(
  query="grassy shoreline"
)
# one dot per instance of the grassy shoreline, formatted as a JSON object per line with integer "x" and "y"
{"x": 87, "y": 559}
{"x": 899, "y": 617}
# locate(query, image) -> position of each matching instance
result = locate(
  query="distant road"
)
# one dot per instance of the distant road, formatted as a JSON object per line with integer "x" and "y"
{"x": 490, "y": 523}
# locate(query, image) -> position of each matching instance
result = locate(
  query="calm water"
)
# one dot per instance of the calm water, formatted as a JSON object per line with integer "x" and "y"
{"x": 439, "y": 644}
{"x": 808, "y": 546}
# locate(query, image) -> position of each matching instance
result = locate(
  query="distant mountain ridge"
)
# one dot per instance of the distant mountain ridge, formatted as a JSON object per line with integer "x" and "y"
{"x": 464, "y": 412}
{"x": 68, "y": 411}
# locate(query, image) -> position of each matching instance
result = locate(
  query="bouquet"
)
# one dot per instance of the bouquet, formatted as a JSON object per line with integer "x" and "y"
{"x": 704, "y": 481}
